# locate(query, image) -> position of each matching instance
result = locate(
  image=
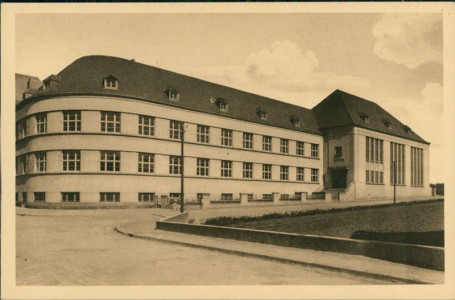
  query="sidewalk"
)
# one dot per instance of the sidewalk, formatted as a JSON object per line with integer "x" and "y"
{"x": 353, "y": 264}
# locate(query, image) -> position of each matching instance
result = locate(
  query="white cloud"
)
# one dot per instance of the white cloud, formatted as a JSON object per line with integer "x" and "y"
{"x": 409, "y": 39}
{"x": 425, "y": 117}
{"x": 285, "y": 72}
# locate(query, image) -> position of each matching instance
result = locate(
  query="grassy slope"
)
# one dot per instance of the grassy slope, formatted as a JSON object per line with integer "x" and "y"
{"x": 420, "y": 217}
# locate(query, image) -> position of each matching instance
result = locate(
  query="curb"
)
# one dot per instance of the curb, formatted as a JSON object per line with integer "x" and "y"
{"x": 278, "y": 259}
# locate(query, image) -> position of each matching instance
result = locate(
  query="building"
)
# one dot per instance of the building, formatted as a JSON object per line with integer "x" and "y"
{"x": 107, "y": 129}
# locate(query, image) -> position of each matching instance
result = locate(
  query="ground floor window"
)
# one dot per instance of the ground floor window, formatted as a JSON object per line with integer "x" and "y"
{"x": 284, "y": 196}
{"x": 174, "y": 197}
{"x": 70, "y": 197}
{"x": 109, "y": 197}
{"x": 24, "y": 196}
{"x": 227, "y": 197}
{"x": 146, "y": 197}
{"x": 375, "y": 177}
{"x": 267, "y": 197}
{"x": 40, "y": 196}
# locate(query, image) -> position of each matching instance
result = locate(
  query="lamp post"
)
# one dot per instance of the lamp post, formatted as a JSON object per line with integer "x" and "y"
{"x": 182, "y": 177}
{"x": 394, "y": 181}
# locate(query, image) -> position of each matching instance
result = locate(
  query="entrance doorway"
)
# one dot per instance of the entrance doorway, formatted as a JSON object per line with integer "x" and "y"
{"x": 339, "y": 178}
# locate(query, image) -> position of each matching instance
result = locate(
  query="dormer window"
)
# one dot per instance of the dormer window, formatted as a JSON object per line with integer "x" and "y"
{"x": 262, "y": 113}
{"x": 387, "y": 123}
{"x": 172, "y": 94}
{"x": 110, "y": 83}
{"x": 407, "y": 128}
{"x": 295, "y": 121}
{"x": 364, "y": 117}
{"x": 222, "y": 104}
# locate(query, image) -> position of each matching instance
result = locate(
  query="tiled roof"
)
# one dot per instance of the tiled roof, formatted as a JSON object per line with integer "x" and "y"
{"x": 341, "y": 109}
{"x": 85, "y": 76}
{"x": 26, "y": 83}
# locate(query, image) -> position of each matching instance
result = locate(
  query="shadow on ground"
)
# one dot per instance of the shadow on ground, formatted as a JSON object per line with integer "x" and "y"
{"x": 429, "y": 238}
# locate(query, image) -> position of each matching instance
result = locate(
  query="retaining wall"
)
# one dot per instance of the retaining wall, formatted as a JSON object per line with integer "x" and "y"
{"x": 416, "y": 255}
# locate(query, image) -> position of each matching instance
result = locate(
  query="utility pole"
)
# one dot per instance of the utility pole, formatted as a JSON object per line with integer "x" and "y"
{"x": 394, "y": 181}
{"x": 182, "y": 177}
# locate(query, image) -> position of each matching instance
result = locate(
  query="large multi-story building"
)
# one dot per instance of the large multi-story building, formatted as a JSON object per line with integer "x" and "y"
{"x": 107, "y": 129}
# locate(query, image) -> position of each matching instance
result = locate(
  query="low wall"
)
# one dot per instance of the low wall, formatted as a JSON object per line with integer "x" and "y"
{"x": 420, "y": 256}
{"x": 88, "y": 205}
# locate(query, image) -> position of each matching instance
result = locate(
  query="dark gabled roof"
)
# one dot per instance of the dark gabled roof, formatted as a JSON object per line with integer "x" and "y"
{"x": 26, "y": 84}
{"x": 343, "y": 109}
{"x": 85, "y": 77}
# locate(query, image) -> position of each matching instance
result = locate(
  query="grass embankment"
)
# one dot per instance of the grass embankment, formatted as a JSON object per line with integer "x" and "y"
{"x": 415, "y": 222}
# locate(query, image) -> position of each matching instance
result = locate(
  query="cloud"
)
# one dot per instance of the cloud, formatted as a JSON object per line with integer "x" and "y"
{"x": 285, "y": 72}
{"x": 409, "y": 39}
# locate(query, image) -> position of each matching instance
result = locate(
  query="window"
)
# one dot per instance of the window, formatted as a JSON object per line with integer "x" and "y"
{"x": 221, "y": 103}
{"x": 284, "y": 197}
{"x": 146, "y": 163}
{"x": 364, "y": 117}
{"x": 247, "y": 170}
{"x": 284, "y": 146}
{"x": 247, "y": 140}
{"x": 262, "y": 113}
{"x": 227, "y": 197}
{"x": 70, "y": 197}
{"x": 202, "y": 167}
{"x": 71, "y": 121}
{"x": 110, "y": 121}
{"x": 314, "y": 150}
{"x": 174, "y": 197}
{"x": 110, "y": 161}
{"x": 21, "y": 129}
{"x": 314, "y": 175}
{"x": 172, "y": 94}
{"x": 24, "y": 196}
{"x": 21, "y": 164}
{"x": 203, "y": 134}
{"x": 300, "y": 175}
{"x": 300, "y": 148}
{"x": 374, "y": 150}
{"x": 146, "y": 197}
{"x": 226, "y": 168}
{"x": 397, "y": 164}
{"x": 40, "y": 196}
{"x": 284, "y": 173}
{"x": 338, "y": 151}
{"x": 110, "y": 83}
{"x": 175, "y": 165}
{"x": 109, "y": 197}
{"x": 146, "y": 125}
{"x": 416, "y": 166}
{"x": 226, "y": 137}
{"x": 267, "y": 172}
{"x": 374, "y": 177}
{"x": 175, "y": 130}
{"x": 71, "y": 160}
{"x": 267, "y": 197}
{"x": 40, "y": 162}
{"x": 41, "y": 123}
{"x": 267, "y": 143}
{"x": 295, "y": 121}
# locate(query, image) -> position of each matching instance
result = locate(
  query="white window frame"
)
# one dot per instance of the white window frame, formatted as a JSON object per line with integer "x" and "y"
{"x": 247, "y": 170}
{"x": 146, "y": 125}
{"x": 110, "y": 161}
{"x": 40, "y": 162}
{"x": 314, "y": 175}
{"x": 227, "y": 197}
{"x": 175, "y": 165}
{"x": 72, "y": 121}
{"x": 248, "y": 140}
{"x": 226, "y": 168}
{"x": 300, "y": 174}
{"x": 71, "y": 197}
{"x": 146, "y": 163}
{"x": 175, "y": 130}
{"x": 39, "y": 196}
{"x": 109, "y": 197}
{"x": 110, "y": 121}
{"x": 203, "y": 167}
{"x": 284, "y": 173}
{"x": 315, "y": 150}
{"x": 266, "y": 143}
{"x": 146, "y": 197}
{"x": 284, "y": 146}
{"x": 71, "y": 160}
{"x": 41, "y": 123}
{"x": 226, "y": 137}
{"x": 267, "y": 171}
{"x": 203, "y": 134}
{"x": 300, "y": 148}
{"x": 110, "y": 84}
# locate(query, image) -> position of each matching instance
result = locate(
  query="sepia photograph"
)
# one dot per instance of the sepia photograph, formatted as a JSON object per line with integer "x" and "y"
{"x": 186, "y": 147}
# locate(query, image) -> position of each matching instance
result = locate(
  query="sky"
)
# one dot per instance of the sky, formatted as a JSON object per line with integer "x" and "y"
{"x": 394, "y": 60}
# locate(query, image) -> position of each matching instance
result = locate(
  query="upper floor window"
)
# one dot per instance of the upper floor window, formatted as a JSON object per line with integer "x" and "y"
{"x": 202, "y": 167}
{"x": 146, "y": 163}
{"x": 21, "y": 164}
{"x": 21, "y": 128}
{"x": 71, "y": 160}
{"x": 416, "y": 166}
{"x": 299, "y": 148}
{"x": 247, "y": 170}
{"x": 267, "y": 143}
{"x": 314, "y": 175}
{"x": 226, "y": 137}
{"x": 338, "y": 151}
{"x": 110, "y": 161}
{"x": 295, "y": 121}
{"x": 226, "y": 168}
{"x": 110, "y": 83}
{"x": 110, "y": 121}
{"x": 172, "y": 94}
{"x": 397, "y": 164}
{"x": 266, "y": 171}
{"x": 41, "y": 123}
{"x": 374, "y": 150}
{"x": 284, "y": 146}
{"x": 247, "y": 140}
{"x": 314, "y": 150}
{"x": 40, "y": 162}
{"x": 175, "y": 130}
{"x": 203, "y": 134}
{"x": 147, "y": 125}
{"x": 284, "y": 173}
{"x": 72, "y": 121}
{"x": 175, "y": 165}
{"x": 300, "y": 174}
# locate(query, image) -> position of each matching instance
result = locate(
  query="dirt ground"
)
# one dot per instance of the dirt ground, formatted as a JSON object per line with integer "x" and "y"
{"x": 80, "y": 247}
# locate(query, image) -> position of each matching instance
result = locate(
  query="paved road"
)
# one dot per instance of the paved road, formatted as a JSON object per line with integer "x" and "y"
{"x": 81, "y": 248}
